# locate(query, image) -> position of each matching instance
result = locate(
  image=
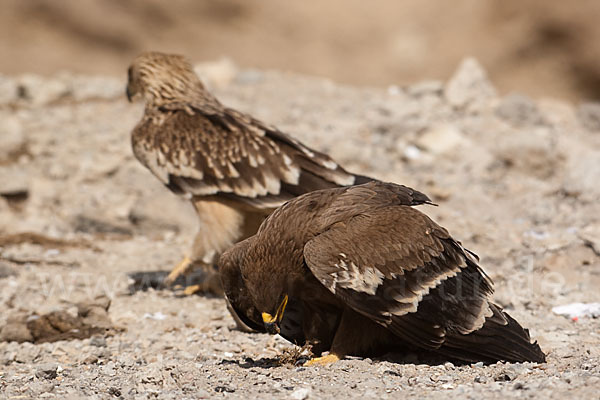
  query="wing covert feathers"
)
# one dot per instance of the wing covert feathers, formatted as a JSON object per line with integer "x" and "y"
{"x": 397, "y": 267}
{"x": 205, "y": 152}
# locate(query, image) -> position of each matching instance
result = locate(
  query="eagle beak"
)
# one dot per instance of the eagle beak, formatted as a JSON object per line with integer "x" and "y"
{"x": 272, "y": 322}
{"x": 129, "y": 94}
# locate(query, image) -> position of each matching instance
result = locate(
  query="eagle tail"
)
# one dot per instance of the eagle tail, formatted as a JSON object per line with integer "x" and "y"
{"x": 500, "y": 339}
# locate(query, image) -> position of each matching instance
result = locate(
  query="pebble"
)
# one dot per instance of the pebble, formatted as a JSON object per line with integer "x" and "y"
{"x": 46, "y": 371}
{"x": 300, "y": 394}
{"x": 441, "y": 139}
{"x": 14, "y": 180}
{"x": 13, "y": 139}
{"x": 98, "y": 341}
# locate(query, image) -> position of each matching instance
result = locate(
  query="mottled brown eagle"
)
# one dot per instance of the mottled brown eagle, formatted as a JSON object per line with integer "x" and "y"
{"x": 234, "y": 168}
{"x": 359, "y": 271}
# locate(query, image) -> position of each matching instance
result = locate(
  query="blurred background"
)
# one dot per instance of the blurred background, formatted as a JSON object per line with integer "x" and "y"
{"x": 537, "y": 47}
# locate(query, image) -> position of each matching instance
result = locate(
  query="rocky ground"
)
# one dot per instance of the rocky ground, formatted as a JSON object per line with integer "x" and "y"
{"x": 516, "y": 181}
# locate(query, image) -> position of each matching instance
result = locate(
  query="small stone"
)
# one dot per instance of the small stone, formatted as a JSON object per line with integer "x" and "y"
{"x": 301, "y": 394}
{"x": 224, "y": 389}
{"x": 13, "y": 140}
{"x": 14, "y": 180}
{"x": 46, "y": 371}
{"x": 441, "y": 139}
{"x": 91, "y": 359}
{"x": 581, "y": 178}
{"x": 505, "y": 376}
{"x": 98, "y": 341}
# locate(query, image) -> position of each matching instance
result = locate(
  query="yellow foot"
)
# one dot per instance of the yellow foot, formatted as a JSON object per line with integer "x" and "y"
{"x": 190, "y": 290}
{"x": 321, "y": 361}
{"x": 179, "y": 270}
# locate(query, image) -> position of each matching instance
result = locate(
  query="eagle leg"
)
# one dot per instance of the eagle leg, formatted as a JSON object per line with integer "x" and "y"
{"x": 183, "y": 267}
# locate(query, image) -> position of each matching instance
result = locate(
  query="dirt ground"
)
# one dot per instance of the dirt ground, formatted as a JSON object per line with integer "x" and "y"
{"x": 516, "y": 181}
{"x": 538, "y": 47}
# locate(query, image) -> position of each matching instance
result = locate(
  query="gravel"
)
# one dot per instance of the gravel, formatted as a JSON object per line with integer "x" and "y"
{"x": 515, "y": 180}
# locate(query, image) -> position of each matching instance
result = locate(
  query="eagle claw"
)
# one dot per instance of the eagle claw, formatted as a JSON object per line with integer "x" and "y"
{"x": 322, "y": 361}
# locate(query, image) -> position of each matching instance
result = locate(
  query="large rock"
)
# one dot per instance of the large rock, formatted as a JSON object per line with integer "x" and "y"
{"x": 469, "y": 86}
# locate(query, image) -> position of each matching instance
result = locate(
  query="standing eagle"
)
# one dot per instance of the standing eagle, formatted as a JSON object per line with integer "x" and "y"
{"x": 359, "y": 271}
{"x": 235, "y": 169}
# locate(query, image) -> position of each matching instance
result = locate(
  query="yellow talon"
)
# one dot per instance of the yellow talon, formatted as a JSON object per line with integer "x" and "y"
{"x": 180, "y": 269}
{"x": 190, "y": 290}
{"x": 322, "y": 361}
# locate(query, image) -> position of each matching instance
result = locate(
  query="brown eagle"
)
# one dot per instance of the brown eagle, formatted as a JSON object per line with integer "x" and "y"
{"x": 359, "y": 271}
{"x": 235, "y": 169}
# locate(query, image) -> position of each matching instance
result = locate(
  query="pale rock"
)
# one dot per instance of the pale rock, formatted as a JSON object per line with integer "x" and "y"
{"x": 14, "y": 180}
{"x": 301, "y": 394}
{"x": 217, "y": 74}
{"x": 441, "y": 139}
{"x": 582, "y": 175}
{"x": 11, "y": 136}
{"x": 469, "y": 85}
{"x": 46, "y": 371}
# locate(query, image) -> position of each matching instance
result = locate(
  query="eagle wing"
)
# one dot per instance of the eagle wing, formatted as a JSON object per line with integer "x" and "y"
{"x": 215, "y": 151}
{"x": 399, "y": 268}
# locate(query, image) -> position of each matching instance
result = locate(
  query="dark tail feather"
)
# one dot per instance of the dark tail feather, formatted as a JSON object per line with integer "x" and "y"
{"x": 500, "y": 339}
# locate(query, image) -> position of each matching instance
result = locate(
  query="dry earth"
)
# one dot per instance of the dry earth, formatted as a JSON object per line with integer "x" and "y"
{"x": 538, "y": 47}
{"x": 516, "y": 181}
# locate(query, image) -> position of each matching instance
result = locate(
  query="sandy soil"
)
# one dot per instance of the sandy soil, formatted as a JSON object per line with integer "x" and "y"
{"x": 516, "y": 182}
{"x": 539, "y": 47}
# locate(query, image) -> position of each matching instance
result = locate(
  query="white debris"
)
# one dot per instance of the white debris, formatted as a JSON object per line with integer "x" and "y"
{"x": 301, "y": 394}
{"x": 412, "y": 152}
{"x": 442, "y": 139}
{"x": 157, "y": 316}
{"x": 577, "y": 310}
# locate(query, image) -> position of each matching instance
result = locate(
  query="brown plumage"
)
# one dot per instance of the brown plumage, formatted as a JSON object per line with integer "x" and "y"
{"x": 235, "y": 169}
{"x": 359, "y": 271}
